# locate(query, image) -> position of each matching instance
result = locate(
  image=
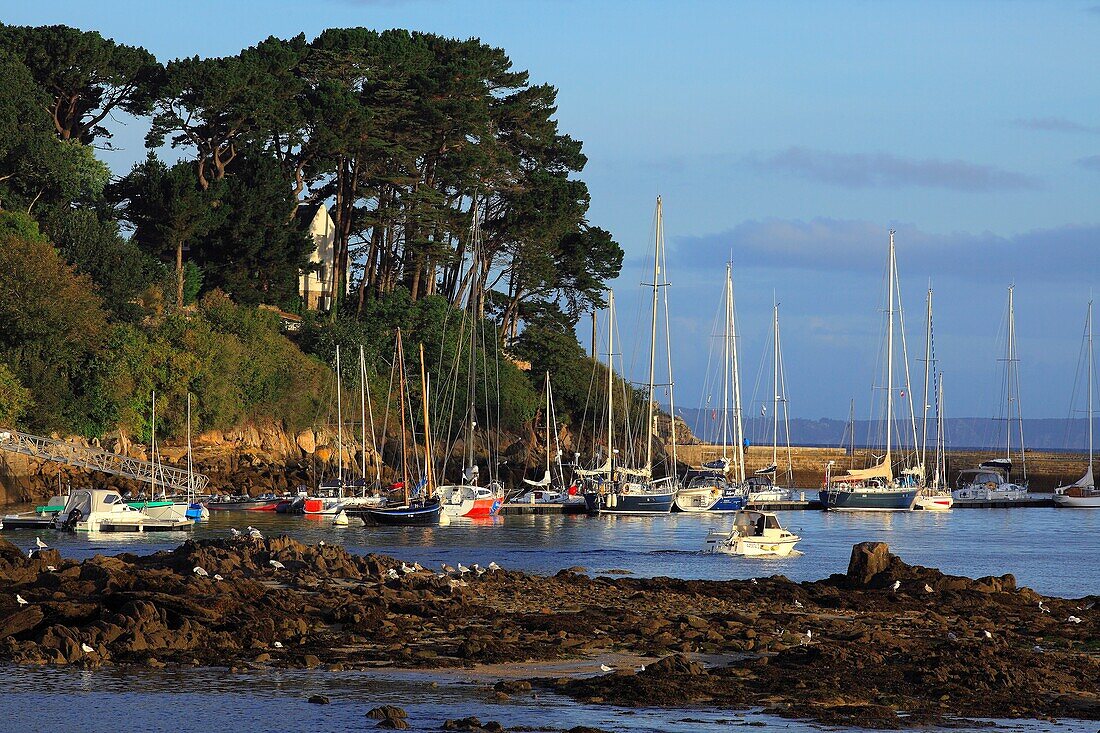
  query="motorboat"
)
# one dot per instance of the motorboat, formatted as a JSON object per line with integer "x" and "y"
{"x": 988, "y": 482}
{"x": 245, "y": 503}
{"x": 753, "y": 534}
{"x": 41, "y": 517}
{"x": 104, "y": 510}
{"x": 709, "y": 491}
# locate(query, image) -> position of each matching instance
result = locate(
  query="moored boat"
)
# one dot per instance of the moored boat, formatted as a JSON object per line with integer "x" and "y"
{"x": 1082, "y": 493}
{"x": 104, "y": 510}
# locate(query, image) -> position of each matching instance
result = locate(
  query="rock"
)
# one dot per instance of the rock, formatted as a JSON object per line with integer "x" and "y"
{"x": 307, "y": 441}
{"x": 868, "y": 560}
{"x": 676, "y": 664}
{"x": 512, "y": 686}
{"x": 318, "y": 700}
{"x": 393, "y": 724}
{"x": 384, "y": 712}
{"x": 20, "y": 621}
{"x": 474, "y": 725}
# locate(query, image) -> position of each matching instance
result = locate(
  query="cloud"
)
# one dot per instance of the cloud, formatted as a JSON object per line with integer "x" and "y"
{"x": 883, "y": 170}
{"x": 1065, "y": 254}
{"x": 1055, "y": 124}
{"x": 1092, "y": 162}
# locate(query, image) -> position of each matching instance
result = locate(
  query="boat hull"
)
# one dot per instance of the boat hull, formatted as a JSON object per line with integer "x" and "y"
{"x": 254, "y": 505}
{"x": 934, "y": 502}
{"x": 473, "y": 508}
{"x": 1088, "y": 501}
{"x": 404, "y": 516}
{"x": 868, "y": 500}
{"x": 695, "y": 501}
{"x": 321, "y": 505}
{"x": 751, "y": 547}
{"x": 642, "y": 503}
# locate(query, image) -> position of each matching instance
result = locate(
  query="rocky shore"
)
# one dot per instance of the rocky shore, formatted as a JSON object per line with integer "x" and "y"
{"x": 884, "y": 645}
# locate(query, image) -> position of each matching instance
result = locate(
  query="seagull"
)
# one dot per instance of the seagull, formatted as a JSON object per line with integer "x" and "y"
{"x": 462, "y": 569}
{"x": 1042, "y": 608}
{"x": 278, "y": 645}
{"x": 896, "y": 585}
{"x": 234, "y": 532}
{"x": 86, "y": 649}
{"x": 988, "y": 635}
{"x": 642, "y": 668}
{"x": 1038, "y": 648}
{"x": 494, "y": 567}
{"x": 605, "y": 668}
{"x": 447, "y": 568}
{"x": 417, "y": 567}
{"x": 201, "y": 572}
{"x": 1073, "y": 620}
{"x": 276, "y": 564}
{"x": 753, "y": 581}
{"x": 479, "y": 571}
{"x": 40, "y": 544}
{"x": 809, "y": 634}
{"x": 406, "y": 569}
{"x": 51, "y": 568}
{"x": 797, "y": 603}
{"x": 218, "y": 577}
{"x": 927, "y": 588}
{"x": 392, "y": 574}
{"x": 20, "y": 600}
{"x": 255, "y": 533}
{"x": 321, "y": 543}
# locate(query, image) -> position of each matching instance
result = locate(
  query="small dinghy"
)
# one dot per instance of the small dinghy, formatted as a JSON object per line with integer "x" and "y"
{"x": 754, "y": 534}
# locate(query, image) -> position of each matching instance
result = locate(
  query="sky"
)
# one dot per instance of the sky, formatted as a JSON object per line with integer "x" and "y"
{"x": 788, "y": 137}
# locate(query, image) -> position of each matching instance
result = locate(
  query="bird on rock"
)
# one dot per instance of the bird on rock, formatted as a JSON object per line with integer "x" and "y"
{"x": 278, "y": 645}
{"x": 276, "y": 564}
{"x": 462, "y": 569}
{"x": 927, "y": 588}
{"x": 896, "y": 585}
{"x": 797, "y": 603}
{"x": 40, "y": 544}
{"x": 605, "y": 668}
{"x": 446, "y": 568}
{"x": 417, "y": 567}
{"x": 494, "y": 567}
{"x": 392, "y": 574}
{"x": 406, "y": 569}
{"x": 20, "y": 600}
{"x": 987, "y": 635}
{"x": 86, "y": 649}
{"x": 51, "y": 568}
{"x": 1073, "y": 620}
{"x": 199, "y": 571}
{"x": 1042, "y": 608}
{"x": 234, "y": 532}
{"x": 255, "y": 533}
{"x": 218, "y": 577}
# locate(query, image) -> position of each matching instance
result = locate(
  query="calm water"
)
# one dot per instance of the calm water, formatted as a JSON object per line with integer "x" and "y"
{"x": 1053, "y": 551}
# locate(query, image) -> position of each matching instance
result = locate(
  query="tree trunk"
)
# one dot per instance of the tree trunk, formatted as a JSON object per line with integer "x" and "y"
{"x": 179, "y": 273}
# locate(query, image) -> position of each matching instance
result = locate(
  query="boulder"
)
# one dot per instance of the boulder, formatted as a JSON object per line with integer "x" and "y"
{"x": 868, "y": 560}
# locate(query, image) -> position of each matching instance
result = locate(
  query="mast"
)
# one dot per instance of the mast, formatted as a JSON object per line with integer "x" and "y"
{"x": 941, "y": 446}
{"x": 190, "y": 465}
{"x": 153, "y": 451}
{"x": 653, "y": 341}
{"x": 736, "y": 384}
{"x": 726, "y": 361}
{"x": 610, "y": 382}
{"x": 404, "y": 434}
{"x": 775, "y": 387}
{"x": 428, "y": 490}
{"x": 927, "y": 367}
{"x": 339, "y": 428}
{"x": 1089, "y": 329}
{"x": 548, "y": 423}
{"x": 1012, "y": 378}
{"x": 890, "y": 352}
{"x": 362, "y": 416}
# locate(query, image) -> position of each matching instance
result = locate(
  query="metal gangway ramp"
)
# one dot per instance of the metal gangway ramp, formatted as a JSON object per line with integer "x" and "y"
{"x": 172, "y": 480}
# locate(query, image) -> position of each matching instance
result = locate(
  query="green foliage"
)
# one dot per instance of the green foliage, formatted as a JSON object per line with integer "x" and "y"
{"x": 85, "y": 75}
{"x": 192, "y": 282}
{"x": 14, "y": 397}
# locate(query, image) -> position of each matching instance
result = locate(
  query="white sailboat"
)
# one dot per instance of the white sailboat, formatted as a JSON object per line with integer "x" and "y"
{"x": 710, "y": 488}
{"x": 936, "y": 496}
{"x": 1083, "y": 493}
{"x": 618, "y": 489}
{"x": 992, "y": 479}
{"x": 328, "y": 499}
{"x": 549, "y": 489}
{"x": 366, "y": 492}
{"x": 764, "y": 485}
{"x": 876, "y": 488}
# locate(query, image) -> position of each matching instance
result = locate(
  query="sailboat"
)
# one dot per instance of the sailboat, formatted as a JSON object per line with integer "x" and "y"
{"x": 168, "y": 508}
{"x": 1083, "y": 492}
{"x": 365, "y": 492}
{"x": 425, "y": 508}
{"x": 876, "y": 488}
{"x": 992, "y": 479}
{"x": 621, "y": 490}
{"x": 936, "y": 496}
{"x": 328, "y": 499}
{"x": 763, "y": 486}
{"x": 469, "y": 499}
{"x": 709, "y": 488}
{"x": 549, "y": 489}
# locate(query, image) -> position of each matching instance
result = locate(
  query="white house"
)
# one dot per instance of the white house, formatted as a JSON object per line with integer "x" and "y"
{"x": 315, "y": 287}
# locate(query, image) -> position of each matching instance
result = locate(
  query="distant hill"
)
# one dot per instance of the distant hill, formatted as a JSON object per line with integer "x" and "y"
{"x": 962, "y": 432}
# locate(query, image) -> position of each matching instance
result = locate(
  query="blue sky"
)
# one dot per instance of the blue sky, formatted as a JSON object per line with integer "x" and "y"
{"x": 794, "y": 136}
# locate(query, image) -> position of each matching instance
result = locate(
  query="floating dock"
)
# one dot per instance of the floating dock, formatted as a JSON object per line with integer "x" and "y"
{"x": 1013, "y": 504}
{"x": 782, "y": 506}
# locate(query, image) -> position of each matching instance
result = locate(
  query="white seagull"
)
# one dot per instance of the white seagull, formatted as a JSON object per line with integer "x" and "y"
{"x": 406, "y": 569}
{"x": 1073, "y": 620}
{"x": 255, "y": 533}
{"x": 927, "y": 588}
{"x": 20, "y": 600}
{"x": 605, "y": 668}
{"x": 276, "y": 564}
{"x": 86, "y": 649}
{"x": 40, "y": 544}
{"x": 234, "y": 532}
{"x": 797, "y": 603}
{"x": 462, "y": 569}
{"x": 494, "y": 567}
{"x": 896, "y": 585}
{"x": 51, "y": 568}
{"x": 417, "y": 567}
{"x": 278, "y": 645}
{"x": 392, "y": 574}
{"x": 201, "y": 572}
{"x": 218, "y": 577}
{"x": 1042, "y": 608}
{"x": 988, "y": 635}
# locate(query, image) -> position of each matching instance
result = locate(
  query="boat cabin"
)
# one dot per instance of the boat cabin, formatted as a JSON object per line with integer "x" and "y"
{"x": 979, "y": 477}
{"x": 753, "y": 524}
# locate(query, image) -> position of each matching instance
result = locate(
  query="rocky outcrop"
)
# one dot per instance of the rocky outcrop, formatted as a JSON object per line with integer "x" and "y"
{"x": 852, "y": 649}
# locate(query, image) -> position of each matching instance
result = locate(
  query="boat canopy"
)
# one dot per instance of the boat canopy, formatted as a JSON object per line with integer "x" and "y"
{"x": 94, "y": 500}
{"x": 883, "y": 470}
{"x": 719, "y": 464}
{"x": 764, "y": 471}
{"x": 976, "y": 476}
{"x": 997, "y": 464}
